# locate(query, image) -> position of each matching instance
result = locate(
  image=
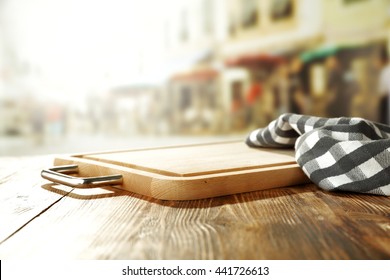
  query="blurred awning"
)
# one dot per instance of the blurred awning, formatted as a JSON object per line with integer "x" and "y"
{"x": 325, "y": 51}
{"x": 182, "y": 62}
{"x": 196, "y": 75}
{"x": 254, "y": 60}
{"x": 278, "y": 44}
{"x": 319, "y": 53}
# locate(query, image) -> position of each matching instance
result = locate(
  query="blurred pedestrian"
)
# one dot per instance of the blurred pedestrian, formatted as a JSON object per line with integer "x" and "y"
{"x": 253, "y": 95}
{"x": 384, "y": 88}
{"x": 297, "y": 96}
{"x": 281, "y": 90}
{"x": 238, "y": 107}
{"x": 341, "y": 86}
{"x": 38, "y": 124}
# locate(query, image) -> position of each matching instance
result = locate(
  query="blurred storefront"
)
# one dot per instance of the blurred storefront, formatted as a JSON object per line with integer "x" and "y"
{"x": 342, "y": 72}
{"x": 264, "y": 41}
{"x": 248, "y": 89}
{"x": 235, "y": 65}
{"x": 343, "y": 80}
{"x": 195, "y": 101}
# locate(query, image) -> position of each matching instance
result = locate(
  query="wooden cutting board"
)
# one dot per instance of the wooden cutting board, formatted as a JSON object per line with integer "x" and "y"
{"x": 193, "y": 171}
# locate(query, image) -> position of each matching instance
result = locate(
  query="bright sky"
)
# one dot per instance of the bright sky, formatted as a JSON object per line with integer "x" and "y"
{"x": 78, "y": 43}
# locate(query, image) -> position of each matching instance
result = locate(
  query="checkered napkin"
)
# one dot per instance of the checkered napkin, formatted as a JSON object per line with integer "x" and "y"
{"x": 348, "y": 154}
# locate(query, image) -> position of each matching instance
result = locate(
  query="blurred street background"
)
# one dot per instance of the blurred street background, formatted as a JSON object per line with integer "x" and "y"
{"x": 82, "y": 75}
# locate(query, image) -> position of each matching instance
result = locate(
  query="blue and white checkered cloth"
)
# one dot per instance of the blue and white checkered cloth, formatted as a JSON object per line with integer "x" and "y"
{"x": 347, "y": 154}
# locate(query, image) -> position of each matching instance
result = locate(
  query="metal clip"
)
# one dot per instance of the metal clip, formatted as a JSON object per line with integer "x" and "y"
{"x": 58, "y": 175}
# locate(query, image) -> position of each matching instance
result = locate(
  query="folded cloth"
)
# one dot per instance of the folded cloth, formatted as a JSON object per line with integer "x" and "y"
{"x": 348, "y": 154}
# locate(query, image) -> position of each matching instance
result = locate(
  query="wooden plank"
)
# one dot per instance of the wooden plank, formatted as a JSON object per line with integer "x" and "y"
{"x": 22, "y": 193}
{"x": 287, "y": 223}
{"x": 195, "y": 171}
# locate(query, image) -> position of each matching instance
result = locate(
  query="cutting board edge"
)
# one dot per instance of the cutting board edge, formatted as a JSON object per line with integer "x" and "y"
{"x": 189, "y": 188}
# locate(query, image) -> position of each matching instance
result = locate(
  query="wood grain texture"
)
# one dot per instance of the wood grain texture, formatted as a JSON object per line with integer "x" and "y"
{"x": 21, "y": 195}
{"x": 193, "y": 171}
{"x": 301, "y": 222}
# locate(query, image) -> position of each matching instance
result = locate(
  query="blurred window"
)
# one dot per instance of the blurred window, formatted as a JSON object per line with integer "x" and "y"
{"x": 317, "y": 79}
{"x": 232, "y": 25}
{"x": 207, "y": 11}
{"x": 282, "y": 9}
{"x": 183, "y": 32}
{"x": 208, "y": 91}
{"x": 185, "y": 98}
{"x": 249, "y": 13}
{"x": 166, "y": 34}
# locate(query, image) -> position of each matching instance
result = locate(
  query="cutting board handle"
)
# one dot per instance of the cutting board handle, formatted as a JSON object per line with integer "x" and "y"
{"x": 57, "y": 175}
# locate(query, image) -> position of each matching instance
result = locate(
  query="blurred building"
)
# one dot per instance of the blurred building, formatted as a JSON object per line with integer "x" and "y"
{"x": 261, "y": 37}
{"x": 251, "y": 60}
{"x": 343, "y": 70}
{"x": 186, "y": 67}
{"x": 192, "y": 35}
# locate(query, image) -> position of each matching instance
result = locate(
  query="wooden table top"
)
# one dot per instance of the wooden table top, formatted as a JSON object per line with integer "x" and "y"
{"x": 42, "y": 220}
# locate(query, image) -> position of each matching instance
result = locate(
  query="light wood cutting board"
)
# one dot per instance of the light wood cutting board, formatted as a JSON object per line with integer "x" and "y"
{"x": 193, "y": 171}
